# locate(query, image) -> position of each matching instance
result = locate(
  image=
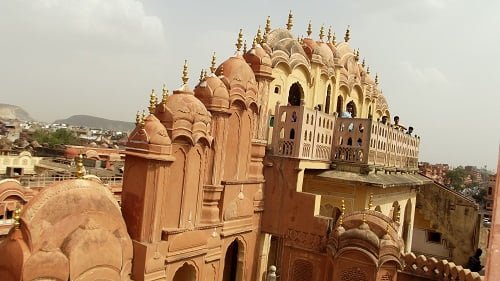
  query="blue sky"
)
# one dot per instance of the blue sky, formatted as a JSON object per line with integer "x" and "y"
{"x": 437, "y": 59}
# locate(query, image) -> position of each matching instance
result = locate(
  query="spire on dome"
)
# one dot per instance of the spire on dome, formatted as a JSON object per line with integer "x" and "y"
{"x": 363, "y": 63}
{"x": 17, "y": 218}
{"x": 309, "y": 29}
{"x": 137, "y": 118}
{"x": 254, "y": 43}
{"x": 245, "y": 46}
{"x": 185, "y": 77}
{"x": 368, "y": 70}
{"x": 80, "y": 170}
{"x": 212, "y": 63}
{"x": 290, "y": 21}
{"x": 267, "y": 29}
{"x": 202, "y": 74}
{"x": 152, "y": 102}
{"x": 329, "y": 37}
{"x": 376, "y": 78}
{"x": 321, "y": 32}
{"x": 239, "y": 42}
{"x": 163, "y": 95}
{"x": 370, "y": 202}
{"x": 347, "y": 34}
{"x": 259, "y": 35}
{"x": 342, "y": 212}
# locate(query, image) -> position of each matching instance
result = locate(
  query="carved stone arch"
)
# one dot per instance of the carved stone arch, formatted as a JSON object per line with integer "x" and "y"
{"x": 305, "y": 68}
{"x": 281, "y": 61}
{"x": 235, "y": 260}
{"x": 187, "y": 272}
{"x": 13, "y": 194}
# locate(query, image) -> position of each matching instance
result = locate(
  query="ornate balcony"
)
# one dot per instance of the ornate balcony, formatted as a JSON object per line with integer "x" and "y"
{"x": 303, "y": 133}
{"x": 309, "y": 134}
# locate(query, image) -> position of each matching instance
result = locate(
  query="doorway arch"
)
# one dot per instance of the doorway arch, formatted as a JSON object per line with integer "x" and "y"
{"x": 407, "y": 225}
{"x": 340, "y": 104}
{"x": 234, "y": 262}
{"x": 354, "y": 109}
{"x": 186, "y": 272}
{"x": 296, "y": 95}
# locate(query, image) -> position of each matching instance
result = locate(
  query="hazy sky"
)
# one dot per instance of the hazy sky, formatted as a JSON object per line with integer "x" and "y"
{"x": 437, "y": 59}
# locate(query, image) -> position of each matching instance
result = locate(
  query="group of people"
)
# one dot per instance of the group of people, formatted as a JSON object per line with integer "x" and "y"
{"x": 349, "y": 114}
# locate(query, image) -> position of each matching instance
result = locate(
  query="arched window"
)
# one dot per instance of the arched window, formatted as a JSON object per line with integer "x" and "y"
{"x": 340, "y": 104}
{"x": 327, "y": 102}
{"x": 354, "y": 110}
{"x": 185, "y": 273}
{"x": 295, "y": 94}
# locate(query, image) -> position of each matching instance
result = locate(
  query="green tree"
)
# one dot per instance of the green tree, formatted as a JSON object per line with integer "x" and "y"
{"x": 457, "y": 177}
{"x": 60, "y": 136}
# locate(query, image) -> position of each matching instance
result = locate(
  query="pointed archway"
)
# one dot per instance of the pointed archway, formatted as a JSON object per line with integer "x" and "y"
{"x": 186, "y": 272}
{"x": 296, "y": 95}
{"x": 233, "y": 262}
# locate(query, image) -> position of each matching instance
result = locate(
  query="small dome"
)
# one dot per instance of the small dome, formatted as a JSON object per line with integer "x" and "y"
{"x": 236, "y": 69}
{"x": 185, "y": 115}
{"x": 239, "y": 78}
{"x": 363, "y": 232}
{"x": 212, "y": 92}
{"x": 153, "y": 132}
{"x": 259, "y": 60}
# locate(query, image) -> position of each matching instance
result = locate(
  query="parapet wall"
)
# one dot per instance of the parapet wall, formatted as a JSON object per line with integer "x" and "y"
{"x": 423, "y": 268}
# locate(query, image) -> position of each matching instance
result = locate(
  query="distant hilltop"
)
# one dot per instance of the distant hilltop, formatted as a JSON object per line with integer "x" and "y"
{"x": 97, "y": 123}
{"x": 9, "y": 112}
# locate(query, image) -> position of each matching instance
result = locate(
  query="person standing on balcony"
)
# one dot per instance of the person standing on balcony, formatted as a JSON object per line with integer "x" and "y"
{"x": 384, "y": 120}
{"x": 347, "y": 113}
{"x": 397, "y": 125}
{"x": 410, "y": 130}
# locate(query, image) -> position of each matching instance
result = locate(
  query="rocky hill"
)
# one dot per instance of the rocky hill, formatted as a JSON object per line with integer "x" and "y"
{"x": 97, "y": 123}
{"x": 8, "y": 111}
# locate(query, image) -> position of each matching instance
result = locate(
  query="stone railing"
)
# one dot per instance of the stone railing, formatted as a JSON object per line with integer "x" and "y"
{"x": 303, "y": 133}
{"x": 310, "y": 134}
{"x": 47, "y": 181}
{"x": 364, "y": 141}
{"x": 433, "y": 269}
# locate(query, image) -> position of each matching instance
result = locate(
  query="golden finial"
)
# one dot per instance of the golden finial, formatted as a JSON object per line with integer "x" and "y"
{"x": 387, "y": 228}
{"x": 221, "y": 70}
{"x": 356, "y": 54}
{"x": 202, "y": 75}
{"x": 268, "y": 25}
{"x": 185, "y": 77}
{"x": 80, "y": 170}
{"x": 245, "y": 46}
{"x": 342, "y": 212}
{"x": 254, "y": 43}
{"x": 376, "y": 78}
{"x": 259, "y": 36}
{"x": 347, "y": 34}
{"x": 370, "y": 202}
{"x": 309, "y": 29}
{"x": 398, "y": 214}
{"x": 333, "y": 39}
{"x": 163, "y": 95}
{"x": 329, "y": 37}
{"x": 290, "y": 21}
{"x": 17, "y": 218}
{"x": 137, "y": 118}
{"x": 364, "y": 217}
{"x": 368, "y": 70}
{"x": 321, "y": 32}
{"x": 152, "y": 102}
{"x": 212, "y": 66}
{"x": 363, "y": 63}
{"x": 143, "y": 118}
{"x": 239, "y": 41}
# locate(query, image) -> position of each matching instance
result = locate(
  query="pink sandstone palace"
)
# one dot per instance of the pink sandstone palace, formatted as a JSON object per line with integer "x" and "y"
{"x": 255, "y": 174}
